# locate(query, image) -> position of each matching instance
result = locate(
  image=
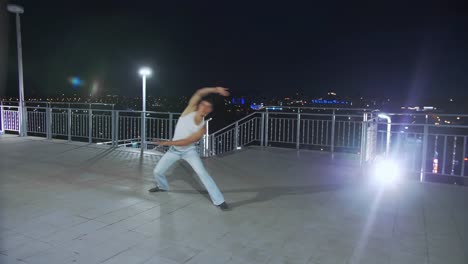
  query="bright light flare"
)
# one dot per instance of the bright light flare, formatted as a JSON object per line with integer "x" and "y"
{"x": 145, "y": 71}
{"x": 386, "y": 172}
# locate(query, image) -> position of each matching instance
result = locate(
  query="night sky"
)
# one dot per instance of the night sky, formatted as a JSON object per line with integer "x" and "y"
{"x": 395, "y": 49}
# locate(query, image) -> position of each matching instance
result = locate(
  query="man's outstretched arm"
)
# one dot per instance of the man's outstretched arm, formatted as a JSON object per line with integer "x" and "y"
{"x": 200, "y": 93}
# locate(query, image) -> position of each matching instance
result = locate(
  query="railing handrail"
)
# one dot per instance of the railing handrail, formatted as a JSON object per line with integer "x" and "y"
{"x": 234, "y": 123}
{"x": 102, "y": 110}
{"x": 148, "y": 112}
{"x": 425, "y": 114}
{"x": 319, "y": 108}
{"x": 422, "y": 125}
{"x": 313, "y": 114}
{"x": 46, "y": 102}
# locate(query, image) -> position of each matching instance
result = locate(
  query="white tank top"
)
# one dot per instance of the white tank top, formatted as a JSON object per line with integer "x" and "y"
{"x": 186, "y": 127}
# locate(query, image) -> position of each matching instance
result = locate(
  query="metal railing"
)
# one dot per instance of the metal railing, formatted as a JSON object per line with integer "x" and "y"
{"x": 298, "y": 127}
{"x": 83, "y": 122}
{"x": 425, "y": 144}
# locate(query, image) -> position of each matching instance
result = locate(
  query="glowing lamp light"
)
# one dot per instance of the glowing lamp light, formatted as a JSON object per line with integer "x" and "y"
{"x": 387, "y": 172}
{"x": 145, "y": 71}
{"x": 15, "y": 9}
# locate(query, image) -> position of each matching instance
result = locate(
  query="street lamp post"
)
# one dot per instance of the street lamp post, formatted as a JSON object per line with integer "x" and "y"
{"x": 17, "y": 10}
{"x": 144, "y": 72}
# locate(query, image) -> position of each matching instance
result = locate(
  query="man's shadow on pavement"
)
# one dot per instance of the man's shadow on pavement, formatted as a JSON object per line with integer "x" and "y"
{"x": 263, "y": 193}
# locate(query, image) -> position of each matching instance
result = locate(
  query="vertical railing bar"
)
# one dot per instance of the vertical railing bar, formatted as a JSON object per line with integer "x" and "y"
{"x": 462, "y": 172}
{"x": 424, "y": 153}
{"x": 316, "y": 132}
{"x": 158, "y": 128}
{"x": 90, "y": 125}
{"x": 171, "y": 131}
{"x": 452, "y": 172}
{"x": 343, "y": 124}
{"x": 2, "y": 118}
{"x": 273, "y": 129}
{"x": 298, "y": 130}
{"x": 321, "y": 132}
{"x": 436, "y": 141}
{"x": 262, "y": 130}
{"x": 354, "y": 135}
{"x": 236, "y": 135}
{"x": 69, "y": 124}
{"x": 266, "y": 128}
{"x": 117, "y": 125}
{"x": 363, "y": 140}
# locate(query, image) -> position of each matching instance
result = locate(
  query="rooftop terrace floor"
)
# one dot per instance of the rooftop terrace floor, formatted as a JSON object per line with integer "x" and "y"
{"x": 67, "y": 202}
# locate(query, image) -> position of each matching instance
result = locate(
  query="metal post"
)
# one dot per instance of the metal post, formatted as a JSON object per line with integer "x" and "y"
{"x": 206, "y": 138}
{"x": 213, "y": 146}
{"x": 69, "y": 124}
{"x": 171, "y": 120}
{"x": 262, "y": 130}
{"x": 143, "y": 117}
{"x": 424, "y": 156}
{"x": 332, "y": 148}
{"x": 363, "y": 139}
{"x": 49, "y": 122}
{"x": 462, "y": 173}
{"x": 142, "y": 132}
{"x": 116, "y": 128}
{"x": 454, "y": 154}
{"x": 113, "y": 127}
{"x": 298, "y": 130}
{"x": 236, "y": 136}
{"x": 444, "y": 155}
{"x": 266, "y": 128}
{"x": 22, "y": 107}
{"x": 2, "y": 119}
{"x": 90, "y": 125}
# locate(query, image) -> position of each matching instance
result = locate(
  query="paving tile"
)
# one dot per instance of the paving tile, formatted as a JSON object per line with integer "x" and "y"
{"x": 79, "y": 207}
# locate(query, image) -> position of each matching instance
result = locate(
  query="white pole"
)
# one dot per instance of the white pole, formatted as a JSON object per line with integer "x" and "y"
{"x": 389, "y": 131}
{"x": 143, "y": 123}
{"x": 145, "y": 71}
{"x": 22, "y": 107}
{"x": 207, "y": 136}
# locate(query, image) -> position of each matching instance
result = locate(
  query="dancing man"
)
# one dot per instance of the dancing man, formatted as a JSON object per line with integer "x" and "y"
{"x": 189, "y": 129}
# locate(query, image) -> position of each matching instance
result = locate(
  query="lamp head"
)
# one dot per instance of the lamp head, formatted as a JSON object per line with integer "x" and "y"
{"x": 145, "y": 71}
{"x": 15, "y": 9}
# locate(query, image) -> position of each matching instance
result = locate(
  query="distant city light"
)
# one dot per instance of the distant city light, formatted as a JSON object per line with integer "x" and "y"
{"x": 274, "y": 108}
{"x": 320, "y": 101}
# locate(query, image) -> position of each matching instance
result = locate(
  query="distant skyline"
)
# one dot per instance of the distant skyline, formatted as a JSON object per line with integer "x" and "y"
{"x": 388, "y": 49}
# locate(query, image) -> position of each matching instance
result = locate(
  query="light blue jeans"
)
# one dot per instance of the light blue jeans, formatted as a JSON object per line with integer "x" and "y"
{"x": 191, "y": 156}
